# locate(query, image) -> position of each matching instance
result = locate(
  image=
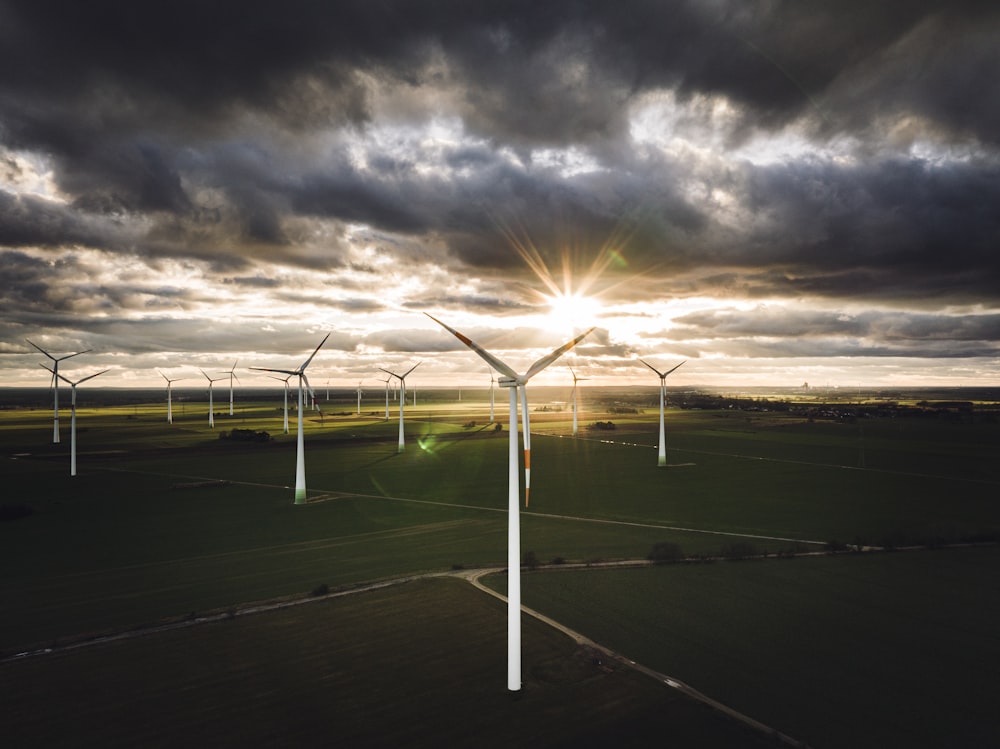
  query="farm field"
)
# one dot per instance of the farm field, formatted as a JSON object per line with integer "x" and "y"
{"x": 862, "y": 650}
{"x": 415, "y": 665}
{"x": 167, "y": 522}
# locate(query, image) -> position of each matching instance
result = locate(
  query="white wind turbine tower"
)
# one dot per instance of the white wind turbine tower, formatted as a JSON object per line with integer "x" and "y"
{"x": 514, "y": 382}
{"x": 359, "y": 396}
{"x": 211, "y": 403}
{"x": 300, "y": 456}
{"x": 402, "y": 401}
{"x": 284, "y": 380}
{"x": 72, "y": 420}
{"x": 170, "y": 405}
{"x": 662, "y": 449}
{"x": 232, "y": 374}
{"x": 55, "y": 384}
{"x": 576, "y": 380}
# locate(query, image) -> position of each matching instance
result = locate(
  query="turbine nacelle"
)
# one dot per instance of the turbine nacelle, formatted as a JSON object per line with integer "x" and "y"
{"x": 507, "y": 382}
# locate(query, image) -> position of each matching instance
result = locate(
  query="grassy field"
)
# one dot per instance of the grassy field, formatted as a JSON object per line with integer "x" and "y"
{"x": 862, "y": 650}
{"x": 166, "y": 520}
{"x": 417, "y": 665}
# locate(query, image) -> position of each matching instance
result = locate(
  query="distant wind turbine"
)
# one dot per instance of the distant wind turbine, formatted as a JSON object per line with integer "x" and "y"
{"x": 575, "y": 380}
{"x": 232, "y": 375}
{"x": 72, "y": 420}
{"x": 402, "y": 401}
{"x": 514, "y": 382}
{"x": 211, "y": 403}
{"x": 284, "y": 380}
{"x": 170, "y": 408}
{"x": 55, "y": 384}
{"x": 492, "y": 380}
{"x": 387, "y": 380}
{"x": 359, "y": 396}
{"x": 662, "y": 455}
{"x": 300, "y": 456}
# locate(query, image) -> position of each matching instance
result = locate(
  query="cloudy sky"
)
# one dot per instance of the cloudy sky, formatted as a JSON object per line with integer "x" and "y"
{"x": 776, "y": 191}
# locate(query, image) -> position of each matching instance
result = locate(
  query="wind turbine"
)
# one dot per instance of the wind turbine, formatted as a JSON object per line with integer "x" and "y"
{"x": 492, "y": 380}
{"x": 402, "y": 400}
{"x": 72, "y": 420}
{"x": 662, "y": 459}
{"x": 211, "y": 404}
{"x": 514, "y": 382}
{"x": 284, "y": 380}
{"x": 576, "y": 380}
{"x": 170, "y": 408}
{"x": 300, "y": 456}
{"x": 55, "y": 384}
{"x": 359, "y": 396}
{"x": 387, "y": 380}
{"x": 232, "y": 374}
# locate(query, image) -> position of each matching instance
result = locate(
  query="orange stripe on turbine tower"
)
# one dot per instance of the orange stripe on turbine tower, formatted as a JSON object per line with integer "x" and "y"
{"x": 527, "y": 475}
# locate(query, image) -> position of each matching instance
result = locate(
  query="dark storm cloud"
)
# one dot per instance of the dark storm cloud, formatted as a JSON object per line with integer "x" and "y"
{"x": 186, "y": 118}
{"x": 790, "y": 332}
{"x": 24, "y": 282}
{"x": 258, "y": 282}
{"x": 892, "y": 228}
{"x": 153, "y": 334}
{"x": 29, "y": 221}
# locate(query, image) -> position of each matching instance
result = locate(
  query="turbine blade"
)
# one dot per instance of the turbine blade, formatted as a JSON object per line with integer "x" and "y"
{"x": 526, "y": 423}
{"x": 55, "y": 374}
{"x": 671, "y": 370}
{"x": 90, "y": 377}
{"x": 411, "y": 369}
{"x": 498, "y": 365}
{"x": 42, "y": 350}
{"x": 288, "y": 372}
{"x": 312, "y": 393}
{"x": 306, "y": 362}
{"x": 545, "y": 361}
{"x": 389, "y": 373}
{"x": 658, "y": 372}
{"x": 70, "y": 356}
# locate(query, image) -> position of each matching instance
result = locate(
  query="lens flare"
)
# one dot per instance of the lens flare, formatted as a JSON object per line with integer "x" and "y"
{"x": 571, "y": 311}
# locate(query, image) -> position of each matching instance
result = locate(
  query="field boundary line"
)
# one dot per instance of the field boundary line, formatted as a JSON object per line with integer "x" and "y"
{"x": 502, "y": 510}
{"x": 887, "y": 471}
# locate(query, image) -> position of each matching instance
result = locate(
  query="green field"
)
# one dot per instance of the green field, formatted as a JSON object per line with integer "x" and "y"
{"x": 349, "y": 672}
{"x": 865, "y": 650}
{"x": 169, "y": 520}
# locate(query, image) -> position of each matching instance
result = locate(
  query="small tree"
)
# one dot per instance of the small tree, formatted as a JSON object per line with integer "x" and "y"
{"x": 530, "y": 560}
{"x": 664, "y": 552}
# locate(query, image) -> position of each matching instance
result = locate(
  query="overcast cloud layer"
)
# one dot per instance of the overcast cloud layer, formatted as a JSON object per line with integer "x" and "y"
{"x": 777, "y": 191}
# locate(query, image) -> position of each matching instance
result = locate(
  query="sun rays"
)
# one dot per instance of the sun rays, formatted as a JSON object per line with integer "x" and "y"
{"x": 571, "y": 295}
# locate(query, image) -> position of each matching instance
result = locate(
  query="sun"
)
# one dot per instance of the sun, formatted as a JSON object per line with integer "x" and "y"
{"x": 570, "y": 312}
